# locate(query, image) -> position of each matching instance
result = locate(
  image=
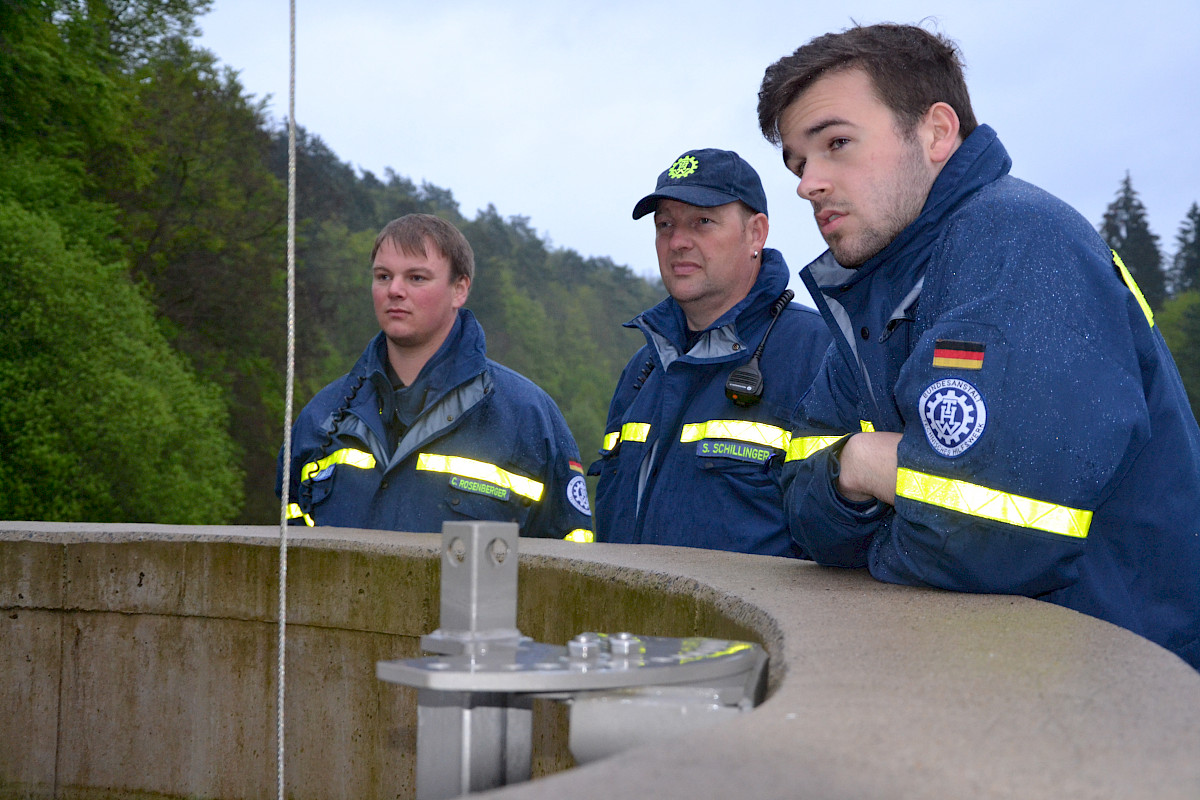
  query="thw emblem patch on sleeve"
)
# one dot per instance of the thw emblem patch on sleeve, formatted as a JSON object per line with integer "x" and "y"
{"x": 577, "y": 494}
{"x": 954, "y": 416}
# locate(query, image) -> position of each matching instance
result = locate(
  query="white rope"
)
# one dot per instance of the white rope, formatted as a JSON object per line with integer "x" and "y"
{"x": 287, "y": 402}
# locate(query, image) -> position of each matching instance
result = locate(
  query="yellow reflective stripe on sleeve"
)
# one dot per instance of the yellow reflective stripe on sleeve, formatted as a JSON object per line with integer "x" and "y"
{"x": 353, "y": 458}
{"x": 1133, "y": 287}
{"x": 581, "y": 535}
{"x": 980, "y": 501}
{"x": 867, "y": 426}
{"x": 801, "y": 447}
{"x": 294, "y": 512}
{"x": 610, "y": 440}
{"x": 737, "y": 430}
{"x": 635, "y": 431}
{"x": 480, "y": 471}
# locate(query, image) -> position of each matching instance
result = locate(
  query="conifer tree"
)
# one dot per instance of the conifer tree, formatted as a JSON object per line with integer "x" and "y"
{"x": 1126, "y": 229}
{"x": 1185, "y": 268}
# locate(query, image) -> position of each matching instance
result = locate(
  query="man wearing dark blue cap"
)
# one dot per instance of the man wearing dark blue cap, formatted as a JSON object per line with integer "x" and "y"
{"x": 707, "y": 402}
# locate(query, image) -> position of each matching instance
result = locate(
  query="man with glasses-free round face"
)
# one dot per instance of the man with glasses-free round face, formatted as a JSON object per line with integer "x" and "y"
{"x": 999, "y": 412}
{"x": 685, "y": 458}
{"x": 416, "y": 297}
{"x": 706, "y": 255}
{"x": 425, "y": 428}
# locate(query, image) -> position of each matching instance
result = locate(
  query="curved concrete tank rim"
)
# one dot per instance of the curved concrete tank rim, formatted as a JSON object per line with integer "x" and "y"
{"x": 876, "y": 691}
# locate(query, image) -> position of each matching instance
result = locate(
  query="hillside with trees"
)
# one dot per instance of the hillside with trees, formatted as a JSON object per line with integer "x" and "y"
{"x": 142, "y": 244}
{"x": 142, "y": 250}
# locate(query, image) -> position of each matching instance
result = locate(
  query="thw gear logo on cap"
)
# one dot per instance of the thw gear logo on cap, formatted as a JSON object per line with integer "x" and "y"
{"x": 683, "y": 166}
{"x": 954, "y": 416}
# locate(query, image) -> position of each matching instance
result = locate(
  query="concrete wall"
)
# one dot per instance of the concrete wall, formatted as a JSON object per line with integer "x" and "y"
{"x": 140, "y": 661}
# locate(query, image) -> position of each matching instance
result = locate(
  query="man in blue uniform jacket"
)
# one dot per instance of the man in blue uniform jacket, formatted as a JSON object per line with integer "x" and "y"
{"x": 1015, "y": 422}
{"x": 425, "y": 428}
{"x": 702, "y": 408}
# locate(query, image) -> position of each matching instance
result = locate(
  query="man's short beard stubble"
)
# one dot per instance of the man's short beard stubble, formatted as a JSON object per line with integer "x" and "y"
{"x": 901, "y": 196}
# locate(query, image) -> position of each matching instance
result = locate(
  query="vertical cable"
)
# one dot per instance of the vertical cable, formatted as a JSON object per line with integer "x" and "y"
{"x": 287, "y": 402}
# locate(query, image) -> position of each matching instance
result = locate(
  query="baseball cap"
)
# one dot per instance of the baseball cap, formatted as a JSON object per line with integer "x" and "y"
{"x": 706, "y": 178}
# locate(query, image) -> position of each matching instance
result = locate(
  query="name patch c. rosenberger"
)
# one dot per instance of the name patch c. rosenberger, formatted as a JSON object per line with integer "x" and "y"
{"x": 741, "y": 451}
{"x": 479, "y": 487}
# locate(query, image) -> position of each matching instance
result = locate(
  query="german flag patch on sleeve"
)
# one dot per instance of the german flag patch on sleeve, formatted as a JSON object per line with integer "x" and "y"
{"x": 959, "y": 355}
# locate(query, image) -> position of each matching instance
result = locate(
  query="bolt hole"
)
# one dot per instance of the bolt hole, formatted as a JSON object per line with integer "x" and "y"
{"x": 498, "y": 550}
{"x": 457, "y": 550}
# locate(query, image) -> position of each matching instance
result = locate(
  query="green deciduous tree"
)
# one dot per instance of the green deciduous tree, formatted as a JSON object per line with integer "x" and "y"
{"x": 60, "y": 90}
{"x": 1179, "y": 323}
{"x": 135, "y": 32}
{"x": 1126, "y": 229}
{"x": 204, "y": 222}
{"x": 334, "y": 315}
{"x": 99, "y": 419}
{"x": 135, "y": 170}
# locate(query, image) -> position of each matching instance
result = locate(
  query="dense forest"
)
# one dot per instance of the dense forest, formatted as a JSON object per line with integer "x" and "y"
{"x": 143, "y": 243}
{"x": 142, "y": 251}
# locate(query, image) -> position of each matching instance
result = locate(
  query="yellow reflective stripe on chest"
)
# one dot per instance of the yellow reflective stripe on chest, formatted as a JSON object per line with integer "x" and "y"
{"x": 801, "y": 447}
{"x": 348, "y": 456}
{"x": 980, "y": 501}
{"x": 480, "y": 471}
{"x": 737, "y": 430}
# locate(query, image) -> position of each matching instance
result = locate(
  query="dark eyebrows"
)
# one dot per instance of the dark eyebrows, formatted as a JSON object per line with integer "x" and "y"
{"x": 811, "y": 132}
{"x": 823, "y": 124}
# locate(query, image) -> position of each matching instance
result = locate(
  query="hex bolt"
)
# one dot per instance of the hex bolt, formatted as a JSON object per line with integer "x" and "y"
{"x": 586, "y": 647}
{"x": 623, "y": 644}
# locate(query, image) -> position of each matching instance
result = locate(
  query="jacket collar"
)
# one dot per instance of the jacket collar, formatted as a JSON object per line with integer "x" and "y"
{"x": 454, "y": 379}
{"x": 462, "y": 356}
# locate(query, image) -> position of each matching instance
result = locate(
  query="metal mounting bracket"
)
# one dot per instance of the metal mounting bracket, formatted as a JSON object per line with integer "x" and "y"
{"x": 474, "y": 696}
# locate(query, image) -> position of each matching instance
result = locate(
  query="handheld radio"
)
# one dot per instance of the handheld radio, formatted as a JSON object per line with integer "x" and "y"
{"x": 744, "y": 386}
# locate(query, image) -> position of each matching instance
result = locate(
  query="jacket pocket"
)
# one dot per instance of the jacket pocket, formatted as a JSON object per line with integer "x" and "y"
{"x": 740, "y": 473}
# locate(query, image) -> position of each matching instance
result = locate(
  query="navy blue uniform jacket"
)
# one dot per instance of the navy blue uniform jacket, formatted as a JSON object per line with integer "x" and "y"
{"x": 469, "y": 440}
{"x": 682, "y": 464}
{"x": 1048, "y": 446}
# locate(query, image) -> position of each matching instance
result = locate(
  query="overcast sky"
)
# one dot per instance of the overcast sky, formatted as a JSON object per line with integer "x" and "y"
{"x": 566, "y": 112}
